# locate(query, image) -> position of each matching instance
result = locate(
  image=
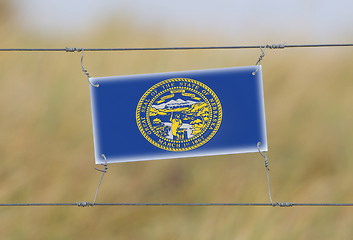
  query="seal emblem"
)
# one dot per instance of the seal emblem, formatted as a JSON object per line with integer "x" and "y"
{"x": 179, "y": 114}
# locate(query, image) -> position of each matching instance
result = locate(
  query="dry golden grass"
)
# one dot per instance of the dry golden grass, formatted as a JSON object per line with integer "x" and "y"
{"x": 46, "y": 147}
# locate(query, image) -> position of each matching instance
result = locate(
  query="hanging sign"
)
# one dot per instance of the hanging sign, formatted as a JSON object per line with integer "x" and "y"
{"x": 178, "y": 114}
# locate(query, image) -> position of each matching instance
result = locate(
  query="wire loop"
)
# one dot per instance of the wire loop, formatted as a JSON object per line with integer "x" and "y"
{"x": 103, "y": 172}
{"x": 83, "y": 69}
{"x": 262, "y": 55}
{"x": 263, "y": 154}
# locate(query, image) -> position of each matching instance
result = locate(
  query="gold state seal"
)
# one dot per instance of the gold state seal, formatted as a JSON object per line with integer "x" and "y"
{"x": 179, "y": 114}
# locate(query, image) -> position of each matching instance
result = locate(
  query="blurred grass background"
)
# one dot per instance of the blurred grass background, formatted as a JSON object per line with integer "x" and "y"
{"x": 46, "y": 145}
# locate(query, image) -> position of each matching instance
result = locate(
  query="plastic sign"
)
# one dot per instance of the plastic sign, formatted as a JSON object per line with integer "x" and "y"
{"x": 178, "y": 114}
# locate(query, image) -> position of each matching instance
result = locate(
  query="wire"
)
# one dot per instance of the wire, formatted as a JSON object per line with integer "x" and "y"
{"x": 104, "y": 171}
{"x": 273, "y": 46}
{"x": 36, "y": 204}
{"x": 88, "y": 204}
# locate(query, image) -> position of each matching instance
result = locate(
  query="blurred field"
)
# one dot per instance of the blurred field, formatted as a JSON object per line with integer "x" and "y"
{"x": 46, "y": 146}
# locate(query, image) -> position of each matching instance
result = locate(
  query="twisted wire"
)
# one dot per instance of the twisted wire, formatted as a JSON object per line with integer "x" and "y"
{"x": 82, "y": 67}
{"x": 262, "y": 55}
{"x": 103, "y": 173}
{"x": 263, "y": 154}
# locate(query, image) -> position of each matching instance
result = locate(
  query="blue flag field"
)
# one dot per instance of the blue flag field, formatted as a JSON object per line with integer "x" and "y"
{"x": 178, "y": 114}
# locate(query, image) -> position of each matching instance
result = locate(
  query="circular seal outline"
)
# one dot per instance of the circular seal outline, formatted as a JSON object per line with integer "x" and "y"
{"x": 175, "y": 88}
{"x": 199, "y": 144}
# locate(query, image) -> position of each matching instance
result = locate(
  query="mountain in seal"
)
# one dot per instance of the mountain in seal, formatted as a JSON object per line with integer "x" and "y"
{"x": 175, "y": 104}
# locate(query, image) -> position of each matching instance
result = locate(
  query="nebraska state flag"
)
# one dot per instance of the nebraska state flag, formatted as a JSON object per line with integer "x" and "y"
{"x": 178, "y": 114}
